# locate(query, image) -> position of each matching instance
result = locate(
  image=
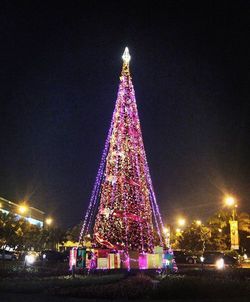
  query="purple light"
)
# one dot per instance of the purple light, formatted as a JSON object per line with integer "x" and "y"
{"x": 154, "y": 205}
{"x": 143, "y": 261}
{"x": 96, "y": 190}
{"x": 123, "y": 190}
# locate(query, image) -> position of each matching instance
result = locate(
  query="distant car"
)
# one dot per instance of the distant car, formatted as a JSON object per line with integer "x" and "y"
{"x": 213, "y": 256}
{"x": 53, "y": 256}
{"x": 31, "y": 258}
{"x": 230, "y": 260}
{"x": 7, "y": 255}
{"x": 184, "y": 257}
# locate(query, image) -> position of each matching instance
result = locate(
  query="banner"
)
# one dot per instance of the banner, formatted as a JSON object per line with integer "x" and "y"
{"x": 234, "y": 234}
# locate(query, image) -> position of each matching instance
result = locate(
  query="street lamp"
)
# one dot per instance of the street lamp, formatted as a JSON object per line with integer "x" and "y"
{"x": 49, "y": 221}
{"x": 234, "y": 233}
{"x": 181, "y": 222}
{"x": 231, "y": 203}
{"x": 198, "y": 222}
{"x": 22, "y": 209}
{"x": 166, "y": 231}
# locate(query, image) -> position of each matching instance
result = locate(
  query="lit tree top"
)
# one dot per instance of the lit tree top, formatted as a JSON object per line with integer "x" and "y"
{"x": 126, "y": 56}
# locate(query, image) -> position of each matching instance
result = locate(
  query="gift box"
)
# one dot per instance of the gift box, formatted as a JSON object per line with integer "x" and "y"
{"x": 154, "y": 261}
{"x": 159, "y": 250}
{"x": 88, "y": 263}
{"x": 102, "y": 263}
{"x": 101, "y": 253}
{"x": 72, "y": 258}
{"x": 81, "y": 258}
{"x": 150, "y": 261}
{"x": 169, "y": 261}
{"x": 91, "y": 259}
{"x": 124, "y": 259}
{"x": 133, "y": 260}
{"x": 143, "y": 261}
{"x": 114, "y": 261}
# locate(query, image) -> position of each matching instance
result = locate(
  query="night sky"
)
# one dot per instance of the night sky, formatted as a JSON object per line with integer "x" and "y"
{"x": 59, "y": 75}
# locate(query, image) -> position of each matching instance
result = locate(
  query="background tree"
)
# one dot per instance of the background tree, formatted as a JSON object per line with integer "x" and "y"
{"x": 72, "y": 234}
{"x": 215, "y": 235}
{"x": 220, "y": 231}
{"x": 244, "y": 231}
{"x": 194, "y": 237}
{"x": 244, "y": 222}
{"x": 52, "y": 236}
{"x": 32, "y": 237}
{"x": 11, "y": 232}
{"x": 18, "y": 234}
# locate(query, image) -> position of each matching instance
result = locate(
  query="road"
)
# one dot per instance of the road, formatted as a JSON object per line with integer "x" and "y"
{"x": 198, "y": 266}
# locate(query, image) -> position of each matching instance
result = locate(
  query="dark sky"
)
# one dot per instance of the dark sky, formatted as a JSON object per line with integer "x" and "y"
{"x": 59, "y": 68}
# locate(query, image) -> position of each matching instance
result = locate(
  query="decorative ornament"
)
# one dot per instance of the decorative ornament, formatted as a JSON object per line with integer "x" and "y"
{"x": 106, "y": 212}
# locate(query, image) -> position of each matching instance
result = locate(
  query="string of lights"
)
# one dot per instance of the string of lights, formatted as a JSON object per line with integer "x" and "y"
{"x": 123, "y": 191}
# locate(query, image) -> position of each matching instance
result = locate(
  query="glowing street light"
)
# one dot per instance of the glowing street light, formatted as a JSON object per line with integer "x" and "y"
{"x": 220, "y": 264}
{"x": 22, "y": 209}
{"x": 49, "y": 221}
{"x": 166, "y": 232}
{"x": 198, "y": 222}
{"x": 230, "y": 201}
{"x": 181, "y": 222}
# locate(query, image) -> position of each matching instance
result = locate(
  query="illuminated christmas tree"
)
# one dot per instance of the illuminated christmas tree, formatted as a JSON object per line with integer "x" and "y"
{"x": 123, "y": 206}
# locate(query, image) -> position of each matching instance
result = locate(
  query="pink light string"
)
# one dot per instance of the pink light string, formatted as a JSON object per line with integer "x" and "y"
{"x": 126, "y": 93}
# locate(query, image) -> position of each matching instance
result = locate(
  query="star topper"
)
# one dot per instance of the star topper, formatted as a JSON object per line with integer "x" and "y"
{"x": 126, "y": 56}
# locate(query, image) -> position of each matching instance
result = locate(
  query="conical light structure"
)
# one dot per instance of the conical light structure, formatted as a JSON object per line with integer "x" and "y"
{"x": 123, "y": 206}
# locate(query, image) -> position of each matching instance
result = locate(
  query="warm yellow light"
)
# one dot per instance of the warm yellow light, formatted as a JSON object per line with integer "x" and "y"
{"x": 178, "y": 230}
{"x": 165, "y": 230}
{"x": 181, "y": 222}
{"x": 198, "y": 222}
{"x": 220, "y": 264}
{"x": 229, "y": 201}
{"x": 49, "y": 221}
{"x": 23, "y": 209}
{"x": 0, "y": 204}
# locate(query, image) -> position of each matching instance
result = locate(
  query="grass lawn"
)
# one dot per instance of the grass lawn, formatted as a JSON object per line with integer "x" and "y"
{"x": 137, "y": 286}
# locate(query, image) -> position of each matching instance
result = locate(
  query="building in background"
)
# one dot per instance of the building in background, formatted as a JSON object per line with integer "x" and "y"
{"x": 31, "y": 214}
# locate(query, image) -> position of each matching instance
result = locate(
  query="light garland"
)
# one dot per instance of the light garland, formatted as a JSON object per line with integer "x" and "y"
{"x": 123, "y": 189}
